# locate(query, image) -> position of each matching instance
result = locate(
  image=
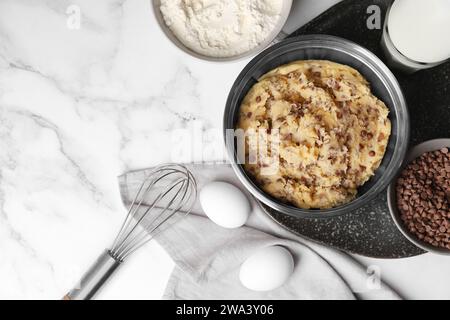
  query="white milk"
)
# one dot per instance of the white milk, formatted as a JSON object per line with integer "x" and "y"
{"x": 420, "y": 29}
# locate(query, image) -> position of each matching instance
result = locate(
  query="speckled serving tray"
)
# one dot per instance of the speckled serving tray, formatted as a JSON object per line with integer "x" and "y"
{"x": 370, "y": 231}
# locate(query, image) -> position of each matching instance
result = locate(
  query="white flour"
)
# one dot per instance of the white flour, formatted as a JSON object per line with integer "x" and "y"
{"x": 221, "y": 28}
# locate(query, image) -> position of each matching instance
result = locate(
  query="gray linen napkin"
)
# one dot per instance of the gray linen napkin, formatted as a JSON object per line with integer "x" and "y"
{"x": 208, "y": 257}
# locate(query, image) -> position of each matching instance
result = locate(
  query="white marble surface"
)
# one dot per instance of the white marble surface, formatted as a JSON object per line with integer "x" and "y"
{"x": 80, "y": 106}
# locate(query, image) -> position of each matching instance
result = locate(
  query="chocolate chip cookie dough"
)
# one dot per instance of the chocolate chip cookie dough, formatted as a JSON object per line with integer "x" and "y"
{"x": 332, "y": 132}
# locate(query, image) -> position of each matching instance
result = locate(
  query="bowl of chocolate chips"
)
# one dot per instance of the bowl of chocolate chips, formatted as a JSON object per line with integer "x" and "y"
{"x": 419, "y": 197}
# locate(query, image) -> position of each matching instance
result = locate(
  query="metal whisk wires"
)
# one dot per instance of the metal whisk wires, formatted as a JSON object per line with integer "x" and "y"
{"x": 167, "y": 194}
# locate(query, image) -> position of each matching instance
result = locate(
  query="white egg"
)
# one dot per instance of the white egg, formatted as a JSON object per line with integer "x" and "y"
{"x": 225, "y": 204}
{"x": 267, "y": 269}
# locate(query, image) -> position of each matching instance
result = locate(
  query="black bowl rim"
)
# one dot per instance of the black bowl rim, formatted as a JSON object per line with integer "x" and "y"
{"x": 385, "y": 76}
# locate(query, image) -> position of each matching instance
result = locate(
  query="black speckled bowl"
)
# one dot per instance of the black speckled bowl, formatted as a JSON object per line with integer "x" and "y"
{"x": 383, "y": 84}
{"x": 431, "y": 145}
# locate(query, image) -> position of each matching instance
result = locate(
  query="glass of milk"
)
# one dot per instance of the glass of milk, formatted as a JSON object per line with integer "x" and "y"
{"x": 416, "y": 34}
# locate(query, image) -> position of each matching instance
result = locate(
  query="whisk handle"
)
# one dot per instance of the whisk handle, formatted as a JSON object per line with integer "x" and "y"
{"x": 94, "y": 278}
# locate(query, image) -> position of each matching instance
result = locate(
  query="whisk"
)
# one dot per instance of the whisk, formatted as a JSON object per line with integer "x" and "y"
{"x": 167, "y": 194}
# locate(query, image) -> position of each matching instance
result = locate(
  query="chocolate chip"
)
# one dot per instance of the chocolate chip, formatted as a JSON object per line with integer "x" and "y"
{"x": 423, "y": 198}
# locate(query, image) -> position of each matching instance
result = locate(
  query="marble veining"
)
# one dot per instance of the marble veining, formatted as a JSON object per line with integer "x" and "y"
{"x": 78, "y": 107}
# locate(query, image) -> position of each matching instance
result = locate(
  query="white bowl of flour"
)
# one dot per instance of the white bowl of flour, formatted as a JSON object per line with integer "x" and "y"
{"x": 222, "y": 30}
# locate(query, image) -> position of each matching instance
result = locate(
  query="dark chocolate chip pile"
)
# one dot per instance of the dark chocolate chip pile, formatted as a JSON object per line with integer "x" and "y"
{"x": 423, "y": 197}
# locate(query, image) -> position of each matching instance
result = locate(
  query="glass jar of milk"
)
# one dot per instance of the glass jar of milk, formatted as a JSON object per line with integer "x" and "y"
{"x": 416, "y": 34}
